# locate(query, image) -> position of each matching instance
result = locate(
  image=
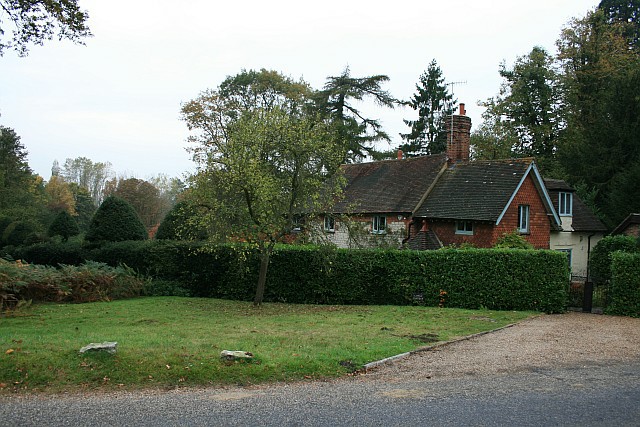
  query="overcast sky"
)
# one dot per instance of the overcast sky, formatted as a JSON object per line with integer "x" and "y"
{"x": 117, "y": 99}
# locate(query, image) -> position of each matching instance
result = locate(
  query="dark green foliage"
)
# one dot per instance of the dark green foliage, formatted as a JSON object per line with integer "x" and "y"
{"x": 89, "y": 282}
{"x": 473, "y": 278}
{"x": 433, "y": 103}
{"x": 625, "y": 285}
{"x": 51, "y": 253}
{"x": 337, "y": 102}
{"x": 181, "y": 223}
{"x": 16, "y": 233}
{"x": 600, "y": 262}
{"x": 115, "y": 221}
{"x": 64, "y": 225}
{"x": 165, "y": 288}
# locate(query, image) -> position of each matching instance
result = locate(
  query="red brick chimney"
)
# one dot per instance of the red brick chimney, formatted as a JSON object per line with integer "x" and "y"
{"x": 458, "y": 127}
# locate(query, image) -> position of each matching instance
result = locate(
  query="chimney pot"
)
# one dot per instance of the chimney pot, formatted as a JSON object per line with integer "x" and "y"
{"x": 400, "y": 155}
{"x": 463, "y": 112}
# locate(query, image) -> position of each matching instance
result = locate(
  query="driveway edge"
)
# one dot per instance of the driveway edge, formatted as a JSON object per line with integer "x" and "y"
{"x": 392, "y": 359}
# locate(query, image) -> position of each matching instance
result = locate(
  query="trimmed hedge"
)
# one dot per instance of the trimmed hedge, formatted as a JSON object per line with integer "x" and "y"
{"x": 625, "y": 284}
{"x": 501, "y": 279}
{"x": 601, "y": 255}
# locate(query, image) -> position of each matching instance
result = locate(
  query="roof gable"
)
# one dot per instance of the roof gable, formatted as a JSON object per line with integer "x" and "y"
{"x": 388, "y": 186}
{"x": 582, "y": 218}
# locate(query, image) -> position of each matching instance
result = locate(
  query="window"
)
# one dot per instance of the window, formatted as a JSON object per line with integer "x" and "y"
{"x": 565, "y": 204}
{"x": 523, "y": 219}
{"x": 464, "y": 227}
{"x": 379, "y": 225}
{"x": 329, "y": 224}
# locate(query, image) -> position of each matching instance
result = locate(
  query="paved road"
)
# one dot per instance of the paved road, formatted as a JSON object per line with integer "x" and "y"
{"x": 585, "y": 392}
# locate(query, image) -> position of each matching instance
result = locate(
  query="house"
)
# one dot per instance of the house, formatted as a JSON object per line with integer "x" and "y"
{"x": 581, "y": 230}
{"x": 439, "y": 200}
{"x": 630, "y": 226}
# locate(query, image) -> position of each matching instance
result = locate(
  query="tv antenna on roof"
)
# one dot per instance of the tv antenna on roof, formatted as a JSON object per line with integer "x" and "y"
{"x": 452, "y": 84}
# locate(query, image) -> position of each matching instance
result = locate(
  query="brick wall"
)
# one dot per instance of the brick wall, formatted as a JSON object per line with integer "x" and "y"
{"x": 539, "y": 224}
{"x": 446, "y": 230}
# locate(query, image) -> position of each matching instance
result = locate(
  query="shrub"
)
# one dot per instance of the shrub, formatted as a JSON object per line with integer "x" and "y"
{"x": 51, "y": 253}
{"x": 64, "y": 225}
{"x": 625, "y": 284}
{"x": 16, "y": 233}
{"x": 89, "y": 282}
{"x": 600, "y": 262}
{"x": 115, "y": 221}
{"x": 512, "y": 240}
{"x": 181, "y": 224}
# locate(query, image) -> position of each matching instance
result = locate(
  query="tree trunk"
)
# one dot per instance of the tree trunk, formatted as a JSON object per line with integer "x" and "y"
{"x": 262, "y": 277}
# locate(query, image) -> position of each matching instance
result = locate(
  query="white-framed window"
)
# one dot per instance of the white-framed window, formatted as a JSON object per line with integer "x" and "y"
{"x": 464, "y": 227}
{"x": 565, "y": 204}
{"x": 329, "y": 224}
{"x": 379, "y": 224}
{"x": 523, "y": 219}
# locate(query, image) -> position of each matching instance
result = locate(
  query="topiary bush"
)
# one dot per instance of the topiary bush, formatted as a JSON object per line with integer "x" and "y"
{"x": 600, "y": 261}
{"x": 16, "y": 233}
{"x": 63, "y": 225}
{"x": 181, "y": 223}
{"x": 115, "y": 221}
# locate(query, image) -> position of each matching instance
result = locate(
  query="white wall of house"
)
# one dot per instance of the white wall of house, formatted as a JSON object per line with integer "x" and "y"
{"x": 576, "y": 244}
{"x": 341, "y": 237}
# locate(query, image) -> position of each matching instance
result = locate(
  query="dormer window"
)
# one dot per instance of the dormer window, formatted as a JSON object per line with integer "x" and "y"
{"x": 565, "y": 204}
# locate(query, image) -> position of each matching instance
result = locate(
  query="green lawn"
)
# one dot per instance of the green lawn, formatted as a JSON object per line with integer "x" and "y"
{"x": 166, "y": 342}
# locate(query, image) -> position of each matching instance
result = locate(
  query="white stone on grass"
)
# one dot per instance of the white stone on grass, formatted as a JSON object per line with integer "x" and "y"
{"x": 235, "y": 355}
{"x": 109, "y": 347}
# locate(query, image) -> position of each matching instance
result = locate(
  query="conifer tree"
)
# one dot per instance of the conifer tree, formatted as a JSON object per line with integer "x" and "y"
{"x": 434, "y": 103}
{"x": 115, "y": 221}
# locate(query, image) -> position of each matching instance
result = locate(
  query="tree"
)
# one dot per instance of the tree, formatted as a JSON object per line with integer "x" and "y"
{"x": 182, "y": 223}
{"x": 143, "y": 196}
{"x": 91, "y": 176}
{"x": 527, "y": 107}
{"x": 214, "y": 111}
{"x": 59, "y": 196}
{"x": 34, "y": 21}
{"x": 434, "y": 103}
{"x": 115, "y": 221}
{"x": 336, "y": 103}
{"x": 274, "y": 165}
{"x": 601, "y": 87}
{"x": 625, "y": 13}
{"x": 21, "y": 191}
{"x": 64, "y": 226}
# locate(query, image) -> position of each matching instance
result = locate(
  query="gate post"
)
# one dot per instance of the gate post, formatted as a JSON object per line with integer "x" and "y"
{"x": 587, "y": 301}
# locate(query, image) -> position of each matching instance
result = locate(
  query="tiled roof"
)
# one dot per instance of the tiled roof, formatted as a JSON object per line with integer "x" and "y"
{"x": 557, "y": 185}
{"x": 388, "y": 186}
{"x": 424, "y": 240}
{"x": 478, "y": 190}
{"x": 583, "y": 218}
{"x": 633, "y": 218}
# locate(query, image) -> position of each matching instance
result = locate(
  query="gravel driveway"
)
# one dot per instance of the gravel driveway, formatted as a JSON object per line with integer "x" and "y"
{"x": 570, "y": 339}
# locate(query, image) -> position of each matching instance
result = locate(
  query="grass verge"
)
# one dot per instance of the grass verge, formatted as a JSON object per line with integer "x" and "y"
{"x": 167, "y": 342}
